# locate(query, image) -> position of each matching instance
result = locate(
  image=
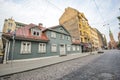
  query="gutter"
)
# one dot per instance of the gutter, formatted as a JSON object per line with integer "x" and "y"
{"x": 7, "y": 47}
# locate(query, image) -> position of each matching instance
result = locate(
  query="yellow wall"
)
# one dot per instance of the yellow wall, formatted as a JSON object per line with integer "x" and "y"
{"x": 70, "y": 18}
{"x": 9, "y": 24}
{"x": 94, "y": 38}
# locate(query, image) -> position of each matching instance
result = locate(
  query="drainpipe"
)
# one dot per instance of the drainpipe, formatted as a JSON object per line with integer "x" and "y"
{"x": 7, "y": 46}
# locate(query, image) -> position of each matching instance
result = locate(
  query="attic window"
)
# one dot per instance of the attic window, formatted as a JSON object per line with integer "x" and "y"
{"x": 61, "y": 30}
{"x": 35, "y": 32}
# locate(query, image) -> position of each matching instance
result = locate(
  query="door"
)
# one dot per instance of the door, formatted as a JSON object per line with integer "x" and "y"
{"x": 62, "y": 49}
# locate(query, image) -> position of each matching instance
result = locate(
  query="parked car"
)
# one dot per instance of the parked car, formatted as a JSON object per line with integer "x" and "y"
{"x": 100, "y": 50}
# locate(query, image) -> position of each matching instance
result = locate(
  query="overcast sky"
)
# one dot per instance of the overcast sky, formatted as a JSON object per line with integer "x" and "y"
{"x": 48, "y": 12}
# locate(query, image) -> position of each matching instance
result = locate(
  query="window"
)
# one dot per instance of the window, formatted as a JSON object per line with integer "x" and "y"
{"x": 78, "y": 48}
{"x": 42, "y": 48}
{"x": 35, "y": 32}
{"x": 68, "y": 38}
{"x": 53, "y": 34}
{"x": 26, "y": 47}
{"x": 53, "y": 48}
{"x": 68, "y": 47}
{"x": 73, "y": 46}
{"x": 10, "y": 24}
{"x": 81, "y": 39}
{"x": 61, "y": 30}
{"x": 61, "y": 36}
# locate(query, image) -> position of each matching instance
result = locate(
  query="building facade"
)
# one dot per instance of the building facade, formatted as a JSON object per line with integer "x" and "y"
{"x": 76, "y": 23}
{"x": 94, "y": 39}
{"x": 1, "y": 45}
{"x": 119, "y": 37}
{"x": 35, "y": 41}
{"x": 112, "y": 43}
{"x": 11, "y": 25}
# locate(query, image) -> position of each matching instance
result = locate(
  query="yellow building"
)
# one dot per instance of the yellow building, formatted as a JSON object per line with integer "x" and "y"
{"x": 1, "y": 45}
{"x": 76, "y": 23}
{"x": 94, "y": 39}
{"x": 10, "y": 25}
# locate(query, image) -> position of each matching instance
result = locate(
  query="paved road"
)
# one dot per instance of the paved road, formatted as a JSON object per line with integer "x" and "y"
{"x": 105, "y": 67}
{"x": 94, "y": 67}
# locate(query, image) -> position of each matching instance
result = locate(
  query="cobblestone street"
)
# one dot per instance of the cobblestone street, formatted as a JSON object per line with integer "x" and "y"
{"x": 93, "y": 67}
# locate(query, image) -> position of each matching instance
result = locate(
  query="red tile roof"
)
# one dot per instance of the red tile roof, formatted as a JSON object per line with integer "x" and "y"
{"x": 25, "y": 33}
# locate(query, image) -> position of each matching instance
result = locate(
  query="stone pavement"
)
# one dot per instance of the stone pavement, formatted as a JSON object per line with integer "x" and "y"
{"x": 19, "y": 66}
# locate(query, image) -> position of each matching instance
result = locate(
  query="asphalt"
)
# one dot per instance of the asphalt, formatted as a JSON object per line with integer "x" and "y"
{"x": 104, "y": 66}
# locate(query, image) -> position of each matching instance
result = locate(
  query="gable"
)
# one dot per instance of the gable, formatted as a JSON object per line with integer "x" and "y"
{"x": 60, "y": 29}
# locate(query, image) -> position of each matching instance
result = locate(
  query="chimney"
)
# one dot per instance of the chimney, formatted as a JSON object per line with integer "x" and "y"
{"x": 40, "y": 24}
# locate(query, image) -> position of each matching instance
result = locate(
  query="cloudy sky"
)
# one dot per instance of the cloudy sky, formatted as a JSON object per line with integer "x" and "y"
{"x": 99, "y": 13}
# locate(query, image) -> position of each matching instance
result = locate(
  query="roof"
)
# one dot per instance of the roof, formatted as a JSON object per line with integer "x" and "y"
{"x": 53, "y": 27}
{"x": 23, "y": 24}
{"x": 77, "y": 42}
{"x": 24, "y": 33}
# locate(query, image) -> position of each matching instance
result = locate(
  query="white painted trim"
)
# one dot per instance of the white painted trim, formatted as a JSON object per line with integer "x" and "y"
{"x": 53, "y": 49}
{"x": 42, "y": 49}
{"x": 28, "y": 50}
{"x": 5, "y": 54}
{"x": 53, "y": 34}
{"x": 68, "y": 47}
{"x": 32, "y": 59}
{"x": 64, "y": 49}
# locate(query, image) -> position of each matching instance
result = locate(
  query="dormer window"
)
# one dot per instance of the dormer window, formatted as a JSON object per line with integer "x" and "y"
{"x": 35, "y": 32}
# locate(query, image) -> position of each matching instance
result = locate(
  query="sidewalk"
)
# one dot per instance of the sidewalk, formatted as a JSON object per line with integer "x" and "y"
{"x": 20, "y": 66}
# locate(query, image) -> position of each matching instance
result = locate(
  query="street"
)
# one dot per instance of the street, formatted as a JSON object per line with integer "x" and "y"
{"x": 104, "y": 66}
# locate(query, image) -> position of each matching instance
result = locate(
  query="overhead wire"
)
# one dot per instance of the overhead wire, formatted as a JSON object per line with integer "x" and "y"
{"x": 99, "y": 11}
{"x": 54, "y": 5}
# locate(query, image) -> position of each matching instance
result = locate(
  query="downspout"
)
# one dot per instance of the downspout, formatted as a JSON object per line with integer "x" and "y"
{"x": 7, "y": 46}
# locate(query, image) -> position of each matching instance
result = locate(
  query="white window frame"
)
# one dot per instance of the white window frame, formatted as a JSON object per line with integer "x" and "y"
{"x": 73, "y": 47}
{"x": 78, "y": 47}
{"x": 68, "y": 37}
{"x": 68, "y": 47}
{"x": 42, "y": 48}
{"x": 54, "y": 48}
{"x": 37, "y": 31}
{"x": 61, "y": 36}
{"x": 25, "y": 48}
{"x": 53, "y": 34}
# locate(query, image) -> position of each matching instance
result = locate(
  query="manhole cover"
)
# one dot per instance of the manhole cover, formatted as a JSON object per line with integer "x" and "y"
{"x": 106, "y": 76}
